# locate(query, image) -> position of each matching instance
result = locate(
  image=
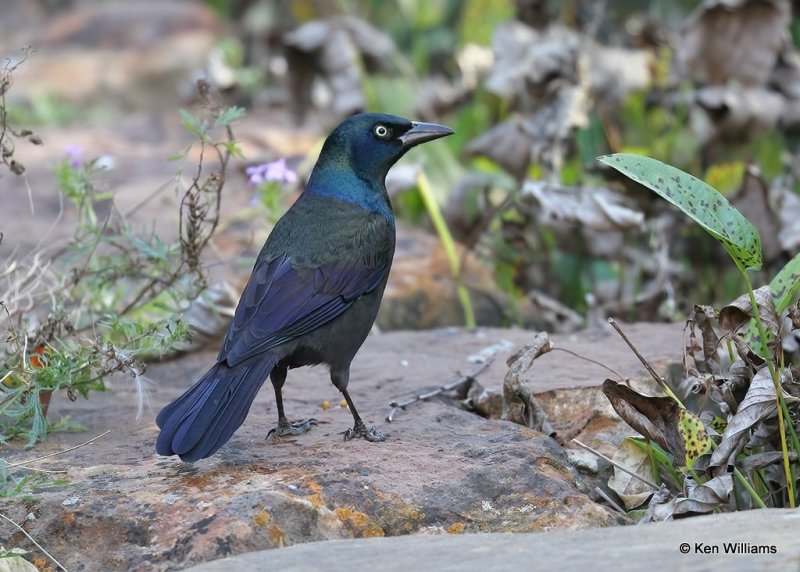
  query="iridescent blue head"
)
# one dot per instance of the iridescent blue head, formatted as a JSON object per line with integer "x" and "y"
{"x": 370, "y": 143}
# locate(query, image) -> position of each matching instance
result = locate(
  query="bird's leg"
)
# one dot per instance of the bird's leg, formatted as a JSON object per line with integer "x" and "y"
{"x": 340, "y": 379}
{"x": 278, "y": 378}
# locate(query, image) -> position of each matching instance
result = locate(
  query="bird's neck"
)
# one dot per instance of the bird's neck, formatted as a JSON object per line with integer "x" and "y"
{"x": 345, "y": 184}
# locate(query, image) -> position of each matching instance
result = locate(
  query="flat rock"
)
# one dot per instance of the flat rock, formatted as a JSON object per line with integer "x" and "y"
{"x": 621, "y": 549}
{"x": 442, "y": 470}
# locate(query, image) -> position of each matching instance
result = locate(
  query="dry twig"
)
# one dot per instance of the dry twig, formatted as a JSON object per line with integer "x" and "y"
{"x": 461, "y": 381}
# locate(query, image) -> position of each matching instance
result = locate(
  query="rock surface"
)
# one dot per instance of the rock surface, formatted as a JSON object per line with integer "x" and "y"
{"x": 620, "y": 549}
{"x": 443, "y": 469}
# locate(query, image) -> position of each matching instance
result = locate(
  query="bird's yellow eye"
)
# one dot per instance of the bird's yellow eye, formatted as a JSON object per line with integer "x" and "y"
{"x": 382, "y": 131}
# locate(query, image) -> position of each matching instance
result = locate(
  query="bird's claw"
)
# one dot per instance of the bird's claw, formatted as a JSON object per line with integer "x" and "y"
{"x": 371, "y": 434}
{"x": 294, "y": 428}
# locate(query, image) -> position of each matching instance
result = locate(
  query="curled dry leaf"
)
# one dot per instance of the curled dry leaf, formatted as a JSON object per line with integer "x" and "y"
{"x": 734, "y": 40}
{"x": 794, "y": 316}
{"x": 616, "y": 72}
{"x": 339, "y": 45}
{"x": 655, "y": 418}
{"x": 209, "y": 315}
{"x": 736, "y": 314}
{"x": 702, "y": 318}
{"x": 657, "y": 509}
{"x": 704, "y": 498}
{"x": 735, "y": 113}
{"x": 660, "y": 419}
{"x": 758, "y": 405}
{"x": 487, "y": 402}
{"x": 594, "y": 208}
{"x": 698, "y": 499}
{"x": 787, "y": 205}
{"x": 526, "y": 60}
{"x": 558, "y": 317}
{"x": 508, "y": 144}
{"x": 739, "y": 312}
{"x": 763, "y": 460}
{"x": 734, "y": 388}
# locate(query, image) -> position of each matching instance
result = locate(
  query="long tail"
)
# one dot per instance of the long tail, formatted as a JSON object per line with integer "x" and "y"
{"x": 202, "y": 420}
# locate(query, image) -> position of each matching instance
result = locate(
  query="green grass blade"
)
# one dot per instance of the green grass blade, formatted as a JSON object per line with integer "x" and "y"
{"x": 701, "y": 202}
{"x": 426, "y": 191}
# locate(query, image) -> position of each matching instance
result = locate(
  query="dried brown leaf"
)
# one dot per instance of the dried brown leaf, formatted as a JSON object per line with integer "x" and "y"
{"x": 698, "y": 499}
{"x": 737, "y": 313}
{"x": 787, "y": 205}
{"x": 758, "y": 405}
{"x": 508, "y": 144}
{"x": 631, "y": 490}
{"x": 340, "y": 44}
{"x": 734, "y": 40}
{"x": 527, "y": 60}
{"x": 734, "y": 112}
{"x": 656, "y": 418}
{"x": 703, "y": 318}
{"x": 735, "y": 386}
{"x": 592, "y": 208}
{"x": 660, "y": 506}
{"x": 705, "y": 498}
{"x": 762, "y": 460}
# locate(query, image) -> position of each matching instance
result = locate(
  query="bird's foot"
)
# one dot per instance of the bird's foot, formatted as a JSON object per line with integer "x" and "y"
{"x": 360, "y": 430}
{"x": 294, "y": 428}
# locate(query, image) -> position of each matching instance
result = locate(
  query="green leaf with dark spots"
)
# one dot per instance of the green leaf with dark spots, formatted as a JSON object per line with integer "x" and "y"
{"x": 704, "y": 204}
{"x": 784, "y": 289}
{"x": 786, "y": 284}
{"x": 695, "y": 437}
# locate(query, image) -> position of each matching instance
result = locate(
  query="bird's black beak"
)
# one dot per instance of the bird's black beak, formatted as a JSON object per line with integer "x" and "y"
{"x": 422, "y": 132}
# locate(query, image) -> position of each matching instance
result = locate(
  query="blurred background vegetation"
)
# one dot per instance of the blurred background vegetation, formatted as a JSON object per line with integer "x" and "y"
{"x": 535, "y": 90}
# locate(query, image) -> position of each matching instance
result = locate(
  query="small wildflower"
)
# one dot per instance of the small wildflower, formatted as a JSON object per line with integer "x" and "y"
{"x": 272, "y": 171}
{"x": 75, "y": 154}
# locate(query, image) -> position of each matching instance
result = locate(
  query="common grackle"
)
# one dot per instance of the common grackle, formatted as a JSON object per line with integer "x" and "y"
{"x": 314, "y": 292}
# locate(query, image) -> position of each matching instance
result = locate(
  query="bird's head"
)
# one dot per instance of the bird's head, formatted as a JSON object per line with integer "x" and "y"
{"x": 370, "y": 143}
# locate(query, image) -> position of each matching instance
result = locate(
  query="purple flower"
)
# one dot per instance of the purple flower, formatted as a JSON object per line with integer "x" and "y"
{"x": 272, "y": 171}
{"x": 75, "y": 154}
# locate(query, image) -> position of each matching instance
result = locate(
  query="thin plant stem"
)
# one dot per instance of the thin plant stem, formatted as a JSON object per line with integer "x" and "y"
{"x": 39, "y": 546}
{"x": 762, "y": 332}
{"x": 748, "y": 487}
{"x": 658, "y": 379}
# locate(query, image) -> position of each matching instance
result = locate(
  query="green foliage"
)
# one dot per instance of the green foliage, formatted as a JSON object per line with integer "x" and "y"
{"x": 727, "y": 178}
{"x": 657, "y": 131}
{"x": 270, "y": 195}
{"x": 448, "y": 243}
{"x": 706, "y": 206}
{"x": 702, "y": 203}
{"x": 786, "y": 285}
{"x": 115, "y": 294}
{"x": 45, "y": 109}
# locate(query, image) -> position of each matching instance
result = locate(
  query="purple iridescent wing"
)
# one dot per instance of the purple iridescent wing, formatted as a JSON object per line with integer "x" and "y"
{"x": 285, "y": 299}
